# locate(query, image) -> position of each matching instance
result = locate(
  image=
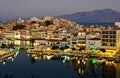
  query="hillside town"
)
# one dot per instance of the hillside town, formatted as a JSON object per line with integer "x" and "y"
{"x": 49, "y": 32}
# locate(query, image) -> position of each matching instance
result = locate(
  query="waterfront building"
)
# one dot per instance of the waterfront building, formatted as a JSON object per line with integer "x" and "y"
{"x": 25, "y": 34}
{"x": 9, "y": 34}
{"x": 63, "y": 32}
{"x": 64, "y": 42}
{"x": 110, "y": 38}
{"x": 93, "y": 40}
{"x": 35, "y": 33}
{"x": 81, "y": 39}
{"x": 53, "y": 42}
{"x": 17, "y": 37}
{"x": 93, "y": 35}
{"x": 93, "y": 43}
{"x": 73, "y": 40}
{"x": 17, "y": 34}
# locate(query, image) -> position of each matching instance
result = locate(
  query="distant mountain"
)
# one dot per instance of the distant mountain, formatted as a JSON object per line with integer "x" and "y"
{"x": 104, "y": 15}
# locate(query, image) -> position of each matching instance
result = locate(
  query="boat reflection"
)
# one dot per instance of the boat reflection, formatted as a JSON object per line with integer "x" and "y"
{"x": 9, "y": 57}
{"x": 82, "y": 67}
{"x": 85, "y": 67}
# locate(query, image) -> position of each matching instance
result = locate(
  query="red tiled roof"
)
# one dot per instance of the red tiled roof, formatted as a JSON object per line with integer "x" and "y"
{"x": 64, "y": 40}
{"x": 75, "y": 34}
{"x": 53, "y": 40}
{"x": 55, "y": 31}
{"x": 95, "y": 39}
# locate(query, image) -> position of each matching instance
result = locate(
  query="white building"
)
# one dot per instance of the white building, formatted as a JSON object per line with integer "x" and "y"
{"x": 25, "y": 34}
{"x": 9, "y": 34}
{"x": 73, "y": 41}
{"x": 35, "y": 19}
{"x": 20, "y": 20}
{"x": 118, "y": 24}
{"x": 17, "y": 34}
{"x": 93, "y": 43}
{"x": 93, "y": 35}
{"x": 48, "y": 18}
{"x": 35, "y": 33}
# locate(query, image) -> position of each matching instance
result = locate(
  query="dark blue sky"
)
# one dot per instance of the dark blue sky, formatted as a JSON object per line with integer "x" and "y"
{"x": 39, "y": 8}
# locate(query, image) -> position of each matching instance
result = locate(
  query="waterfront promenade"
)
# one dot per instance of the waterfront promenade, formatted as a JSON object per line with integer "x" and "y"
{"x": 75, "y": 53}
{"x": 10, "y": 53}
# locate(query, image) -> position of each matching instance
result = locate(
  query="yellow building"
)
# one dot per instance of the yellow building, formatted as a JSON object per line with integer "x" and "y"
{"x": 92, "y": 29}
{"x": 111, "y": 39}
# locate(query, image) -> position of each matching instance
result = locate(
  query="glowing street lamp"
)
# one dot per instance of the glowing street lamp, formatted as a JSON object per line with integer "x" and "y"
{"x": 94, "y": 61}
{"x": 94, "y": 50}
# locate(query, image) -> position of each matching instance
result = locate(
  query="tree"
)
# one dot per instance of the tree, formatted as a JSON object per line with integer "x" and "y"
{"x": 55, "y": 47}
{"x": 73, "y": 49}
{"x": 3, "y": 45}
{"x": 32, "y": 41}
{"x": 81, "y": 48}
{"x": 47, "y": 22}
{"x": 18, "y": 27}
{"x": 103, "y": 50}
{"x": 66, "y": 47}
{"x": 62, "y": 48}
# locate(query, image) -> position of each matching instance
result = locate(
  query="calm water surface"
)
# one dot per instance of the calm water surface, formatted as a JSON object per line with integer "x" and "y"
{"x": 24, "y": 67}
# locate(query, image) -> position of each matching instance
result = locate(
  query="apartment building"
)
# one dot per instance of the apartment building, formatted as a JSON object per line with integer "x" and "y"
{"x": 92, "y": 29}
{"x": 110, "y": 39}
{"x": 81, "y": 39}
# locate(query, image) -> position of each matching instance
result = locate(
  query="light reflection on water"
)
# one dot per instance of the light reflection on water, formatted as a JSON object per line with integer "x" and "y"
{"x": 45, "y": 66}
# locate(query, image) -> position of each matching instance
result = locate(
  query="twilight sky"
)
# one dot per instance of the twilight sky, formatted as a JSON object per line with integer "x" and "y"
{"x": 39, "y": 8}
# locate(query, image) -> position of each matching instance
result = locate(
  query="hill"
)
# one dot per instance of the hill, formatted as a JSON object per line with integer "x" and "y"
{"x": 104, "y": 15}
